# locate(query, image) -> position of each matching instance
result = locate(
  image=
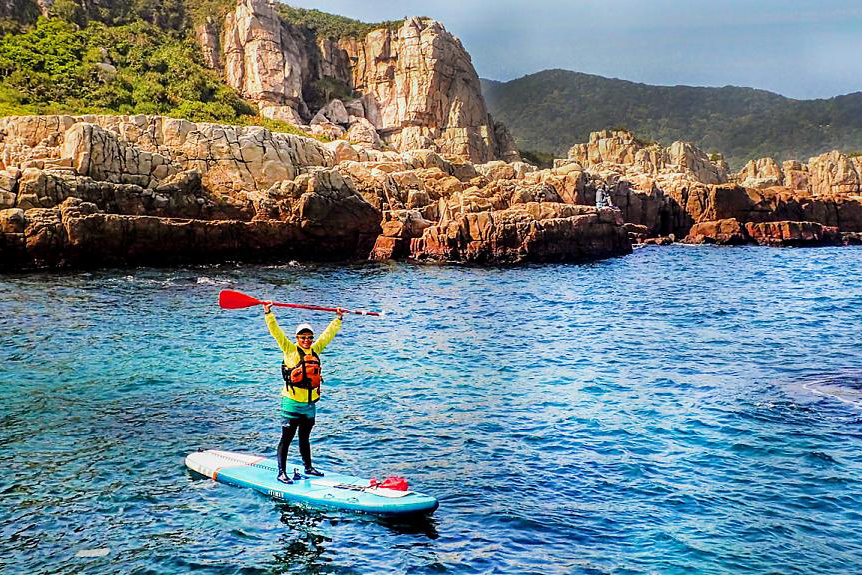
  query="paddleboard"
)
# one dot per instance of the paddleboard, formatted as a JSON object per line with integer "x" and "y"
{"x": 333, "y": 490}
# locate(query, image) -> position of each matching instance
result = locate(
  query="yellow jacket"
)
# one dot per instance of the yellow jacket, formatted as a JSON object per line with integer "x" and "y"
{"x": 291, "y": 355}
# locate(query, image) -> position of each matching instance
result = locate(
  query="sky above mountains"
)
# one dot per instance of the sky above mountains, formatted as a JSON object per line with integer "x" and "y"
{"x": 801, "y": 49}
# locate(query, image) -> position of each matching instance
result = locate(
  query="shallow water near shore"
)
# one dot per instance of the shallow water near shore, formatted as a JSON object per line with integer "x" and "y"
{"x": 678, "y": 410}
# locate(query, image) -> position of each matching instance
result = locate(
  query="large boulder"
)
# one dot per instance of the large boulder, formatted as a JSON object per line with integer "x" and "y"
{"x": 793, "y": 234}
{"x": 762, "y": 173}
{"x": 727, "y": 232}
{"x": 537, "y": 232}
{"x": 833, "y": 173}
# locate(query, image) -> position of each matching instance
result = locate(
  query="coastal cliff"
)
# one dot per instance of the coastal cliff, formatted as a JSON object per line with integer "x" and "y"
{"x": 681, "y": 192}
{"x": 125, "y": 190}
{"x": 410, "y": 85}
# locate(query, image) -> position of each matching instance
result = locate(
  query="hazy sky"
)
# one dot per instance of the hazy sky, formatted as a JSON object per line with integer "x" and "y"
{"x": 793, "y": 47}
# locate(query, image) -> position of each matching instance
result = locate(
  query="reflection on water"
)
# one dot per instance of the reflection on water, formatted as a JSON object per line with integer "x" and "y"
{"x": 679, "y": 410}
{"x": 846, "y": 387}
{"x": 302, "y": 541}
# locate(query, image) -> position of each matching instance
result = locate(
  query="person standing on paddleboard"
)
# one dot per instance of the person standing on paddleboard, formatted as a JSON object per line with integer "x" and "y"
{"x": 301, "y": 390}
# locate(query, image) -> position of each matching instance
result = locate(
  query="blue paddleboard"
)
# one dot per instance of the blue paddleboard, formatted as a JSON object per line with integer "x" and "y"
{"x": 334, "y": 490}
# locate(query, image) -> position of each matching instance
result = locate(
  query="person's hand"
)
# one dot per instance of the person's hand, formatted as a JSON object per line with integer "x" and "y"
{"x": 267, "y": 305}
{"x": 339, "y": 312}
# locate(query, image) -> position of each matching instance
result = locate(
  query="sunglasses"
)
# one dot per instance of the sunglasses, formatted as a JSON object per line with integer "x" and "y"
{"x": 305, "y": 337}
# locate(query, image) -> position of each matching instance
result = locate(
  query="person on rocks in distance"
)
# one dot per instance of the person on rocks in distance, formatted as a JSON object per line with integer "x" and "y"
{"x": 301, "y": 390}
{"x": 603, "y": 197}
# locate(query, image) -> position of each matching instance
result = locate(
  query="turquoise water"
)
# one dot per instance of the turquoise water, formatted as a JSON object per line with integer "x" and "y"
{"x": 678, "y": 410}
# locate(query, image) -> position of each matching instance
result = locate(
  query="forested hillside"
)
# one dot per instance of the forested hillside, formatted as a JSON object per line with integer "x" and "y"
{"x": 551, "y": 110}
{"x": 128, "y": 57}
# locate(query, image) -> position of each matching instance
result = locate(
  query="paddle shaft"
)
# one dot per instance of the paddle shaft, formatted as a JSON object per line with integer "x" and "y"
{"x": 319, "y": 308}
{"x": 230, "y": 299}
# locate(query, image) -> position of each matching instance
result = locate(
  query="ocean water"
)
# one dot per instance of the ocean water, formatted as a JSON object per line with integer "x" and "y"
{"x": 679, "y": 410}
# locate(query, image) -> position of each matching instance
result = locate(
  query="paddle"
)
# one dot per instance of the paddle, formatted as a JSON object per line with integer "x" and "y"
{"x": 229, "y": 299}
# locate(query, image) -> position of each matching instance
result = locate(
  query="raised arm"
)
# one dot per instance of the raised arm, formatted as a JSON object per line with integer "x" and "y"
{"x": 328, "y": 334}
{"x": 275, "y": 331}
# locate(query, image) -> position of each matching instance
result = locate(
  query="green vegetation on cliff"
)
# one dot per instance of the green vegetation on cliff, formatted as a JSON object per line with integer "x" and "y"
{"x": 58, "y": 66}
{"x": 137, "y": 57}
{"x": 554, "y": 109}
{"x": 328, "y": 25}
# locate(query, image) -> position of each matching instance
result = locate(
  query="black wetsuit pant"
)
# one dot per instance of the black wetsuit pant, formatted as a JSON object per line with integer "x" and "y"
{"x": 304, "y": 424}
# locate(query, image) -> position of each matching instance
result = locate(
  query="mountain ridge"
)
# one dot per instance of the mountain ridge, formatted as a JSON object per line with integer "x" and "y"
{"x": 551, "y": 110}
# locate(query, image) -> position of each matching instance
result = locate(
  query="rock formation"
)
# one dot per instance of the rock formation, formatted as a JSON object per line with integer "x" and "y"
{"x": 535, "y": 232}
{"x": 414, "y": 86}
{"x": 115, "y": 190}
{"x": 829, "y": 174}
{"x": 95, "y": 190}
{"x": 679, "y": 191}
{"x": 620, "y": 151}
{"x": 776, "y": 233}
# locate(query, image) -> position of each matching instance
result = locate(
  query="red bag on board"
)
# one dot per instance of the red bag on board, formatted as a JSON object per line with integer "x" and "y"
{"x": 391, "y": 482}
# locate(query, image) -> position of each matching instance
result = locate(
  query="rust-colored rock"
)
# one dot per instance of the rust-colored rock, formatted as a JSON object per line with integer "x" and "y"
{"x": 793, "y": 234}
{"x": 728, "y": 232}
{"x": 534, "y": 232}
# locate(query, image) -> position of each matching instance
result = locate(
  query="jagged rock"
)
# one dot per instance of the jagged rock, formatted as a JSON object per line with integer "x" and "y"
{"x": 399, "y": 228}
{"x": 621, "y": 152}
{"x": 99, "y": 154}
{"x": 795, "y": 175}
{"x": 229, "y": 158}
{"x": 262, "y": 59}
{"x": 762, "y": 173}
{"x": 425, "y": 88}
{"x": 670, "y": 190}
{"x": 362, "y": 131}
{"x": 723, "y": 232}
{"x": 319, "y": 118}
{"x": 660, "y": 240}
{"x": 786, "y": 233}
{"x": 496, "y": 170}
{"x": 9, "y": 187}
{"x": 505, "y": 147}
{"x": 323, "y": 214}
{"x": 335, "y": 112}
{"x": 637, "y": 233}
{"x": 286, "y": 114}
{"x": 342, "y": 150}
{"x": 355, "y": 108}
{"x": 417, "y": 82}
{"x": 208, "y": 39}
{"x": 327, "y": 130}
{"x": 526, "y": 232}
{"x": 425, "y": 159}
{"x": 178, "y": 196}
{"x": 326, "y": 206}
{"x": 12, "y": 221}
{"x": 691, "y": 159}
{"x": 833, "y": 173}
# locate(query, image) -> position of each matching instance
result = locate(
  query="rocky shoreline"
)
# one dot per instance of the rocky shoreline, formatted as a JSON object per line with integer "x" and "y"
{"x": 129, "y": 190}
{"x": 111, "y": 190}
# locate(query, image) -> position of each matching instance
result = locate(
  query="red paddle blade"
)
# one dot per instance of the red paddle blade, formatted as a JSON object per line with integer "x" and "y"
{"x": 229, "y": 299}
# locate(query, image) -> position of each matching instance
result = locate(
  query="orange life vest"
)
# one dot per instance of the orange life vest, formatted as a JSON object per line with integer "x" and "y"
{"x": 304, "y": 376}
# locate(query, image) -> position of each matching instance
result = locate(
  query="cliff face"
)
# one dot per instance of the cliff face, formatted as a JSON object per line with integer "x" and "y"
{"x": 620, "y": 151}
{"x": 416, "y": 86}
{"x": 832, "y": 173}
{"x": 426, "y": 92}
{"x": 108, "y": 190}
{"x": 680, "y": 190}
